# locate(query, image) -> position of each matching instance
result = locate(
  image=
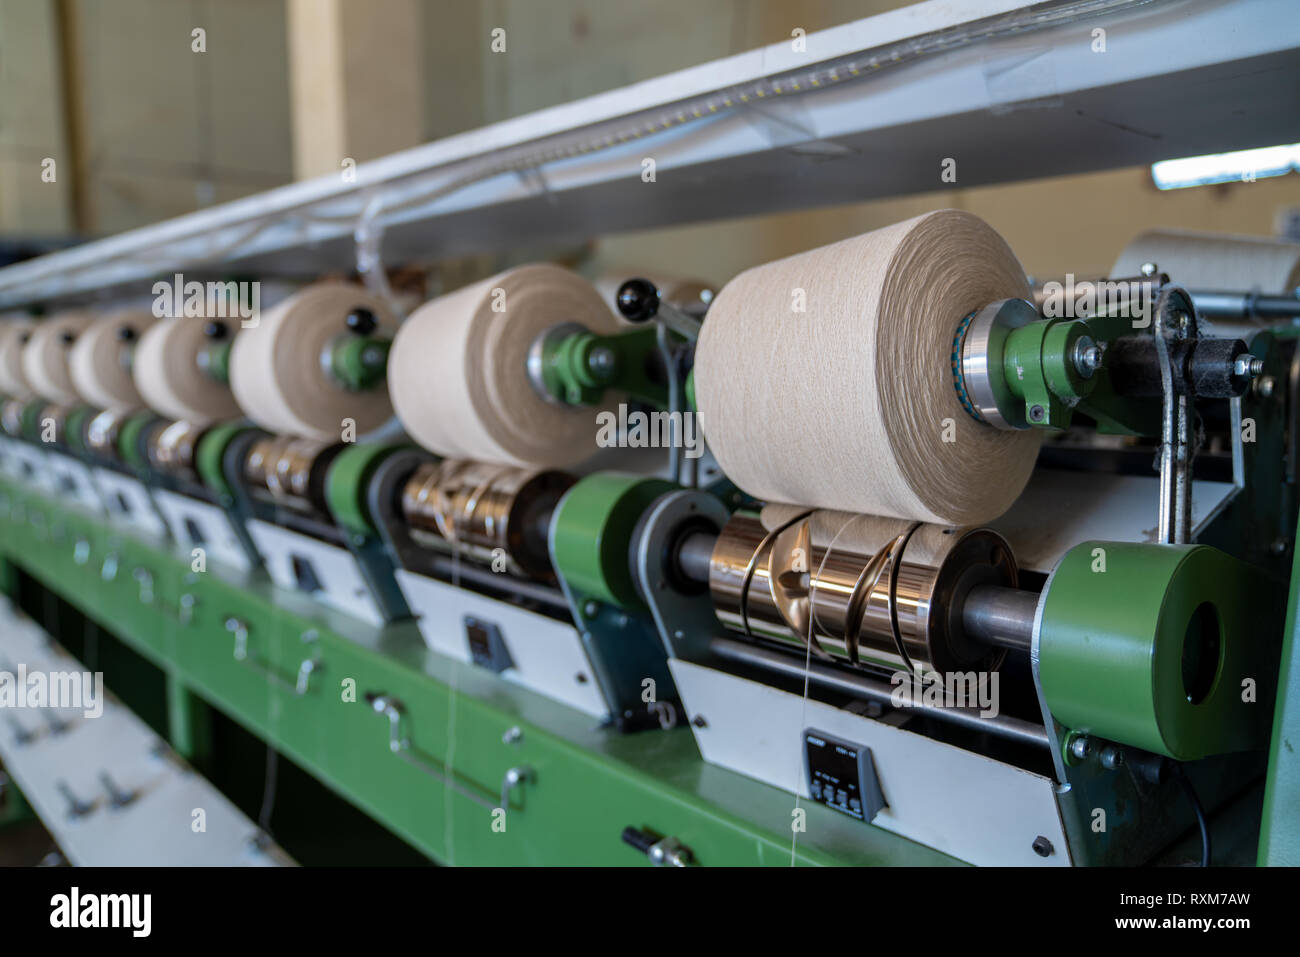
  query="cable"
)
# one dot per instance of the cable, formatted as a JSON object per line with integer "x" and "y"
{"x": 269, "y": 790}
{"x": 1201, "y": 821}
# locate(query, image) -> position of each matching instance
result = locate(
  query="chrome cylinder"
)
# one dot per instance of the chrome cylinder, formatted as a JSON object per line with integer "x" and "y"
{"x": 171, "y": 448}
{"x": 882, "y": 594}
{"x": 102, "y": 433}
{"x": 488, "y": 513}
{"x": 11, "y": 417}
{"x": 291, "y": 469}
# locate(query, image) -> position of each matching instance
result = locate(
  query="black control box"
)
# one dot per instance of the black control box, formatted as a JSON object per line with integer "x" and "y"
{"x": 842, "y": 775}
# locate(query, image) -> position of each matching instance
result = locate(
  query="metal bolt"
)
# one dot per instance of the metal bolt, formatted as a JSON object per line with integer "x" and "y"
{"x": 699, "y": 721}
{"x": 1247, "y": 366}
{"x": 513, "y": 735}
{"x": 602, "y": 361}
{"x": 1080, "y": 747}
{"x": 1111, "y": 757}
{"x": 1036, "y": 413}
{"x": 1264, "y": 387}
{"x": 591, "y": 609}
{"x": 1087, "y": 357}
{"x": 1043, "y": 847}
{"x": 1147, "y": 269}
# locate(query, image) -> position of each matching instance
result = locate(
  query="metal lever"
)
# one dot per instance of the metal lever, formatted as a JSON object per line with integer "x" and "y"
{"x": 306, "y": 668}
{"x": 662, "y": 851}
{"x": 145, "y": 578}
{"x": 76, "y": 806}
{"x": 638, "y": 300}
{"x": 22, "y": 736}
{"x": 1176, "y": 438}
{"x": 513, "y": 778}
{"x": 117, "y": 798}
{"x": 393, "y": 709}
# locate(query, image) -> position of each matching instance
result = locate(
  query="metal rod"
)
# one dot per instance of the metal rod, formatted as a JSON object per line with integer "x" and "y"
{"x": 873, "y": 689}
{"x": 1245, "y": 305}
{"x": 465, "y": 570}
{"x": 1000, "y": 616}
{"x": 694, "y": 555}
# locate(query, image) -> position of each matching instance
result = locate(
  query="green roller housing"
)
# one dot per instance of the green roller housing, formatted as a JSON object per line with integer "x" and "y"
{"x": 1160, "y": 647}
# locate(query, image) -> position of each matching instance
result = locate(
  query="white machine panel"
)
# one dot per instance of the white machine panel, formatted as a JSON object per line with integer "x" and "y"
{"x": 157, "y": 826}
{"x": 548, "y": 655}
{"x": 196, "y": 524}
{"x": 73, "y": 482}
{"x": 342, "y": 585}
{"x": 129, "y": 504}
{"x": 29, "y": 465}
{"x": 1059, "y": 509}
{"x": 959, "y": 802}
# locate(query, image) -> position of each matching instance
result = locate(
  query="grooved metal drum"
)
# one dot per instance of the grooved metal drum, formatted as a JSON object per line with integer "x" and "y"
{"x": 479, "y": 508}
{"x": 882, "y": 594}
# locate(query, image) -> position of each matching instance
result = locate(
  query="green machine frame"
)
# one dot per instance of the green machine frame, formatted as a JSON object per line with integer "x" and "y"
{"x": 426, "y": 746}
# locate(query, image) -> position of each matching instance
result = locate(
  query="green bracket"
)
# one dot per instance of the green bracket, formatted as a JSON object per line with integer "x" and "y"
{"x": 1039, "y": 370}
{"x": 347, "y": 482}
{"x": 31, "y": 419}
{"x": 360, "y": 362}
{"x": 128, "y": 439}
{"x": 210, "y": 453}
{"x": 578, "y": 367}
{"x": 74, "y": 434}
{"x": 1279, "y": 834}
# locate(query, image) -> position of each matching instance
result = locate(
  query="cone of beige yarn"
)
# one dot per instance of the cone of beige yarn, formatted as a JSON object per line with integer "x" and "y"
{"x": 824, "y": 379}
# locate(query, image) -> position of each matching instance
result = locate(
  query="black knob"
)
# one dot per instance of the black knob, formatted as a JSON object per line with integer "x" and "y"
{"x": 638, "y": 300}
{"x": 67, "y": 337}
{"x": 361, "y": 321}
{"x": 216, "y": 330}
{"x": 639, "y": 839}
{"x": 126, "y": 334}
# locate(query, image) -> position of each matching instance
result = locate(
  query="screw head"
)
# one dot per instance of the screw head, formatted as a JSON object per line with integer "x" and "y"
{"x": 1043, "y": 847}
{"x": 602, "y": 360}
{"x": 1036, "y": 413}
{"x": 1080, "y": 747}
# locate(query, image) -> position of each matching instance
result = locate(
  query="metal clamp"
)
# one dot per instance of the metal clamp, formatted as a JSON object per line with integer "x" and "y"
{"x": 662, "y": 851}
{"x": 512, "y": 779}
{"x": 76, "y": 806}
{"x": 117, "y": 798}
{"x": 400, "y": 745}
{"x": 306, "y": 668}
{"x": 145, "y": 579}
